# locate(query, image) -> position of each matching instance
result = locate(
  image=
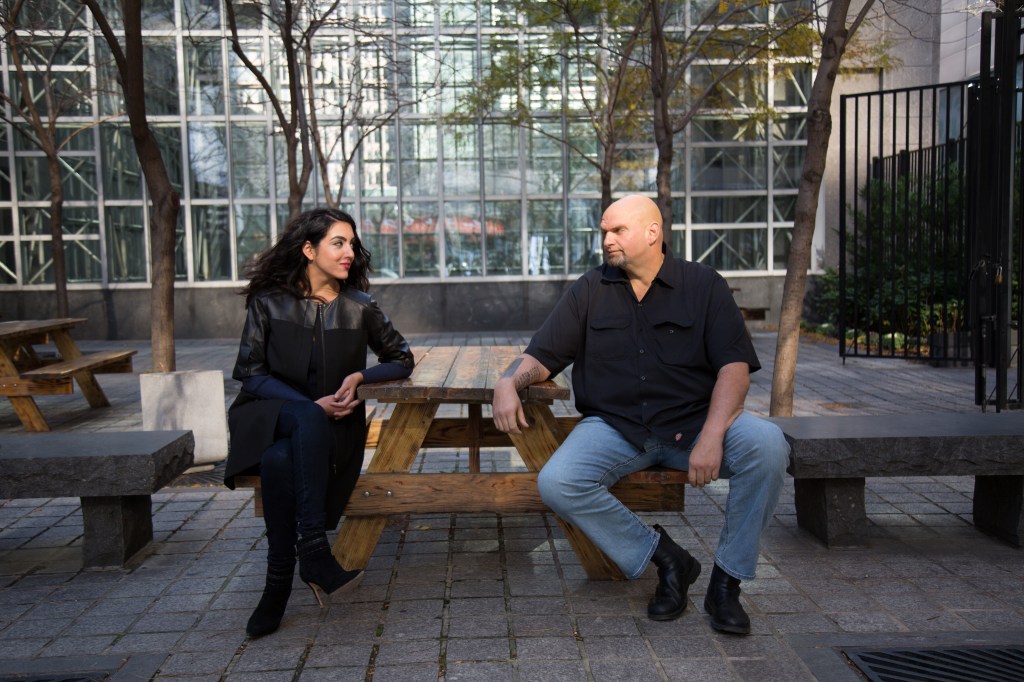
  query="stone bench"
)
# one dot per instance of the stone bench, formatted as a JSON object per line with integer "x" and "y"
{"x": 114, "y": 473}
{"x": 831, "y": 457}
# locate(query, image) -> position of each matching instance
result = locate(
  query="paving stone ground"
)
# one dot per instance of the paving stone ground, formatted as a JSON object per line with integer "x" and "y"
{"x": 488, "y": 597}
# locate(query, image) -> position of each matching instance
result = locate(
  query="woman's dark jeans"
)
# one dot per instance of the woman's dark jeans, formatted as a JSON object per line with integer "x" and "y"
{"x": 294, "y": 472}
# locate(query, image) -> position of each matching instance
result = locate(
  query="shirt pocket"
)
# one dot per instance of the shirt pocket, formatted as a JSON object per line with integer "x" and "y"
{"x": 609, "y": 337}
{"x": 679, "y": 343}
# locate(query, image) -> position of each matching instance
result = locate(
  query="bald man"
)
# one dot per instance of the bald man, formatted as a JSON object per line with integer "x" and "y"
{"x": 661, "y": 366}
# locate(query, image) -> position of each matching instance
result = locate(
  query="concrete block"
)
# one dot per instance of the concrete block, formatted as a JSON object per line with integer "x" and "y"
{"x": 192, "y": 400}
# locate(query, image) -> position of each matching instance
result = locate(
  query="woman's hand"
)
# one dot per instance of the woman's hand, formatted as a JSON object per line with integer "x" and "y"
{"x": 343, "y": 401}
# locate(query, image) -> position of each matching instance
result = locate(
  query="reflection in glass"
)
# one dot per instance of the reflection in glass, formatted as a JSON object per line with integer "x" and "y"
{"x": 211, "y": 243}
{"x": 160, "y": 60}
{"x": 420, "y": 227}
{"x": 544, "y": 159}
{"x": 463, "y": 238}
{"x": 501, "y": 159}
{"x": 419, "y": 159}
{"x": 249, "y": 167}
{"x": 204, "y": 89}
{"x": 252, "y": 234}
{"x": 461, "y": 160}
{"x": 584, "y": 234}
{"x": 122, "y": 174}
{"x": 789, "y": 163}
{"x": 727, "y": 209}
{"x": 785, "y": 208}
{"x": 126, "y": 244}
{"x": 377, "y": 163}
{"x": 545, "y": 248}
{"x": 503, "y": 237}
{"x": 208, "y": 159}
{"x": 246, "y": 93}
{"x": 718, "y": 168}
{"x": 81, "y": 260}
{"x": 378, "y": 230}
{"x": 732, "y": 249}
{"x": 783, "y": 240}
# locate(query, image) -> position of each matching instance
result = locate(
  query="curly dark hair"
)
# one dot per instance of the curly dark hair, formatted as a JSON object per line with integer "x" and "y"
{"x": 282, "y": 267}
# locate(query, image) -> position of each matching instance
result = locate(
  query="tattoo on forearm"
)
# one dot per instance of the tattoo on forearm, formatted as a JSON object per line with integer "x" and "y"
{"x": 527, "y": 378}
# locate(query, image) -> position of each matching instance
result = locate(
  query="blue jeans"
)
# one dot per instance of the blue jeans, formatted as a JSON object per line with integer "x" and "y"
{"x": 293, "y": 477}
{"x": 575, "y": 482}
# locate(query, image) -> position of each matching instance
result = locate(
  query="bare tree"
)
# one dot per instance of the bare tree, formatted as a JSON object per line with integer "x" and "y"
{"x": 165, "y": 201}
{"x": 834, "y": 41}
{"x": 41, "y": 95}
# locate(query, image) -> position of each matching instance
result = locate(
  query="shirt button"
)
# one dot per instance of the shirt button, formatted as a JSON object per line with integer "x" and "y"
{"x": 643, "y": 378}
{"x": 644, "y": 403}
{"x": 671, "y": 331}
{"x": 641, "y": 351}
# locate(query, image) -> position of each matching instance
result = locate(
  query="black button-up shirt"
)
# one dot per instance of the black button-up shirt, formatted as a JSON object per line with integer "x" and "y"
{"x": 646, "y": 367}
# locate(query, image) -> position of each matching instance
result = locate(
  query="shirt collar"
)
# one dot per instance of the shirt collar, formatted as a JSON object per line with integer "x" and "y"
{"x": 669, "y": 274}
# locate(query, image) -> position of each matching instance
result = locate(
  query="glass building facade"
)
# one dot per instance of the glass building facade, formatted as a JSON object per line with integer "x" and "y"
{"x": 437, "y": 198}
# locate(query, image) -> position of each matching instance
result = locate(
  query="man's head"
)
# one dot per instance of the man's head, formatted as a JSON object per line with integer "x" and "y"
{"x": 632, "y": 234}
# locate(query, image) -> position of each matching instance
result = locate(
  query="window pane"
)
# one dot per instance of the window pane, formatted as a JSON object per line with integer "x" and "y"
{"x": 789, "y": 162}
{"x": 81, "y": 261}
{"x": 585, "y": 234}
{"x": 504, "y": 236}
{"x": 458, "y": 56}
{"x": 785, "y": 208}
{"x": 126, "y": 244}
{"x": 252, "y": 235}
{"x": 168, "y": 138}
{"x": 635, "y": 170}
{"x": 249, "y": 162}
{"x": 419, "y": 239}
{"x": 783, "y": 240}
{"x": 501, "y": 160}
{"x": 203, "y": 14}
{"x": 122, "y": 174}
{"x": 718, "y": 168}
{"x": 545, "y": 248}
{"x": 790, "y": 127}
{"x": 461, "y": 160}
{"x": 730, "y": 209}
{"x": 378, "y": 231}
{"x": 735, "y": 128}
{"x": 463, "y": 238}
{"x": 208, "y": 160}
{"x": 544, "y": 160}
{"x": 415, "y": 12}
{"x": 377, "y": 163}
{"x": 158, "y": 14}
{"x": 160, "y": 61}
{"x": 211, "y": 243}
{"x": 204, "y": 87}
{"x": 419, "y": 159}
{"x": 78, "y": 178}
{"x": 731, "y": 249}
{"x": 743, "y": 87}
{"x": 792, "y": 85}
{"x": 418, "y": 73}
{"x": 246, "y": 94}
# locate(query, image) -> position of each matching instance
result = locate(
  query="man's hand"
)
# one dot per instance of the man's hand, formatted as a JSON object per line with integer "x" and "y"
{"x": 509, "y": 416}
{"x": 705, "y": 461}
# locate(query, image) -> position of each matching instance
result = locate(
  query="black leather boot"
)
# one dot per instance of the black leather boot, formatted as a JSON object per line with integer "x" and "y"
{"x": 269, "y": 612}
{"x": 723, "y": 604}
{"x": 319, "y": 569}
{"x": 677, "y": 570}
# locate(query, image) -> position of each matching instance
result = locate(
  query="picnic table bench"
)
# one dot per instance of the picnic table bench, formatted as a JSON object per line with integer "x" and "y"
{"x": 25, "y": 373}
{"x": 465, "y": 375}
{"x": 114, "y": 473}
{"x": 832, "y": 455}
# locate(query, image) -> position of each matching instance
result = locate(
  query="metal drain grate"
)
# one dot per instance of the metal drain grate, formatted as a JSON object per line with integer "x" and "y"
{"x": 969, "y": 664}
{"x": 60, "y": 677}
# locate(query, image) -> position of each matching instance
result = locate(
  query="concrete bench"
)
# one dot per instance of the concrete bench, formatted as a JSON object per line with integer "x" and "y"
{"x": 113, "y": 472}
{"x": 831, "y": 457}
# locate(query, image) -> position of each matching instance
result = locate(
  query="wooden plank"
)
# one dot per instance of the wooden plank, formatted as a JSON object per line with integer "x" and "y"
{"x": 86, "y": 380}
{"x": 432, "y": 368}
{"x": 99, "y": 362}
{"x": 16, "y": 386}
{"x": 24, "y": 405}
{"x": 455, "y": 432}
{"x": 22, "y": 329}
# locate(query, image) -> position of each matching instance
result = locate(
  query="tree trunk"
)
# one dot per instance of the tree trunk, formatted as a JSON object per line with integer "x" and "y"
{"x": 819, "y": 130}
{"x": 662, "y": 119}
{"x": 163, "y": 219}
{"x": 60, "y": 276}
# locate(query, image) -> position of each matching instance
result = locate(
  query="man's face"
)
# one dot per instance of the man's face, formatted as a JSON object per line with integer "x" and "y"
{"x": 623, "y": 239}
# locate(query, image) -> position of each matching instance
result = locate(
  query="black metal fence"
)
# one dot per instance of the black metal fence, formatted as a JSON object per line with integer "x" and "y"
{"x": 903, "y": 268}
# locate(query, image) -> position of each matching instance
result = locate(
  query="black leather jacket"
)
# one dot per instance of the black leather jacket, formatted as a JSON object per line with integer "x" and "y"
{"x": 277, "y": 340}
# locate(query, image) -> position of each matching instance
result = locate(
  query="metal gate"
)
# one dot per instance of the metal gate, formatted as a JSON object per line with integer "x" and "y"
{"x": 931, "y": 247}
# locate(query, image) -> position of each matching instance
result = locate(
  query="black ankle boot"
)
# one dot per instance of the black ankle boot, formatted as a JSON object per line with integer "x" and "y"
{"x": 269, "y": 612}
{"x": 723, "y": 604}
{"x": 319, "y": 569}
{"x": 677, "y": 570}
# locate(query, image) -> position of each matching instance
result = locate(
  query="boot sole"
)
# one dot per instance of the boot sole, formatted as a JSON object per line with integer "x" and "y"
{"x": 722, "y": 627}
{"x": 691, "y": 578}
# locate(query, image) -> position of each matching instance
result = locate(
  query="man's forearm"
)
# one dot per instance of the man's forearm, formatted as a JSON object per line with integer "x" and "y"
{"x": 524, "y": 371}
{"x": 727, "y": 398}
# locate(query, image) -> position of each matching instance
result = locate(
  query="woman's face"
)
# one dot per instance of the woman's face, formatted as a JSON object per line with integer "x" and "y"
{"x": 333, "y": 256}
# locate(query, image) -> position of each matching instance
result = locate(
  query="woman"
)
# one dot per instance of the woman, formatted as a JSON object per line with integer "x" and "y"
{"x": 296, "y": 419}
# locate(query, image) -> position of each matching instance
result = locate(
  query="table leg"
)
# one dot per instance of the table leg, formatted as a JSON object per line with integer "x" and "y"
{"x": 24, "y": 406}
{"x": 536, "y": 445}
{"x": 86, "y": 380}
{"x": 475, "y": 419}
{"x": 400, "y": 441}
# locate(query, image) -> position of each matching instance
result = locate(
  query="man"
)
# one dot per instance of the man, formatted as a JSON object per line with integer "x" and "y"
{"x": 661, "y": 366}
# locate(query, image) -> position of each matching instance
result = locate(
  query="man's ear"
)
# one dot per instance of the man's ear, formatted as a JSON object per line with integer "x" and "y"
{"x": 653, "y": 233}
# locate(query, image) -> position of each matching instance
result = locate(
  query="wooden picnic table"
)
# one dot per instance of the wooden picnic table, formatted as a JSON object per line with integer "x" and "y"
{"x": 26, "y": 373}
{"x": 465, "y": 375}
